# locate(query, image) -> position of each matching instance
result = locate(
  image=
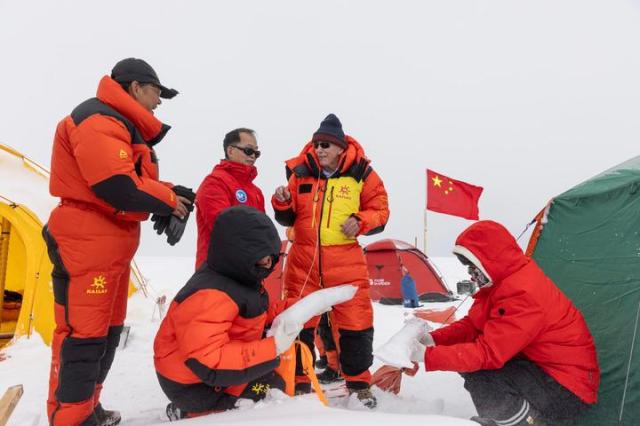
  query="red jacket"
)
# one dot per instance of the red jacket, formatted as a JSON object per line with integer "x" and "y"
{"x": 521, "y": 313}
{"x": 228, "y": 184}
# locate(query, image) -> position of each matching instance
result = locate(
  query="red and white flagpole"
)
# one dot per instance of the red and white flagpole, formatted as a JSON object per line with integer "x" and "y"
{"x": 426, "y": 197}
{"x": 425, "y": 232}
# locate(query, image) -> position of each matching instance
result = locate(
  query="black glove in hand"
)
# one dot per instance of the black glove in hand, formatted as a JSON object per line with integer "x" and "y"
{"x": 160, "y": 223}
{"x": 175, "y": 229}
{"x": 187, "y": 193}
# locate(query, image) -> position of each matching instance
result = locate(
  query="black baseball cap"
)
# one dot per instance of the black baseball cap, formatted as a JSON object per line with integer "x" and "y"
{"x": 134, "y": 69}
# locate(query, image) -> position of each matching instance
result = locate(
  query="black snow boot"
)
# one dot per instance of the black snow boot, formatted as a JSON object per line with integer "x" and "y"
{"x": 321, "y": 362}
{"x": 483, "y": 421}
{"x": 174, "y": 413}
{"x": 106, "y": 417}
{"x": 526, "y": 416}
{"x": 302, "y": 388}
{"x": 329, "y": 375}
{"x": 366, "y": 397}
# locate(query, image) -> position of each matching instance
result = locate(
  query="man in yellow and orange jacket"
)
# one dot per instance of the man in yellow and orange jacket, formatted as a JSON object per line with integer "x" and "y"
{"x": 333, "y": 195}
{"x": 105, "y": 171}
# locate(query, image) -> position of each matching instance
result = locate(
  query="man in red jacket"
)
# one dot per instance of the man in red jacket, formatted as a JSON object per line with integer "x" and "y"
{"x": 524, "y": 350}
{"x": 230, "y": 183}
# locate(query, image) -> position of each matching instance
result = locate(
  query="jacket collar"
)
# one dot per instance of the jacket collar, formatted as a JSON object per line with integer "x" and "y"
{"x": 242, "y": 172}
{"x": 353, "y": 154}
{"x": 112, "y": 94}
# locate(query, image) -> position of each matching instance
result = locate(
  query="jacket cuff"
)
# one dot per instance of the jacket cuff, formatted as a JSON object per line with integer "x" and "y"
{"x": 426, "y": 358}
{"x": 279, "y": 205}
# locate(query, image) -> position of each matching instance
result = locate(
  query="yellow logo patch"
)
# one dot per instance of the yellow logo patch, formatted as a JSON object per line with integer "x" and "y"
{"x": 123, "y": 154}
{"x": 344, "y": 193}
{"x": 98, "y": 286}
{"x": 260, "y": 388}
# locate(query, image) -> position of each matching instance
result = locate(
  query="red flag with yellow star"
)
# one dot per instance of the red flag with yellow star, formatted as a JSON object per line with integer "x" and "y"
{"x": 450, "y": 196}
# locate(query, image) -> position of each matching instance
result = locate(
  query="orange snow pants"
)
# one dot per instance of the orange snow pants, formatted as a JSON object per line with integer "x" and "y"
{"x": 91, "y": 253}
{"x": 351, "y": 322}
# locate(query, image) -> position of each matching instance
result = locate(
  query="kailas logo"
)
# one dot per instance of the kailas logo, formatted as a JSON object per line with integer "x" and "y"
{"x": 123, "y": 154}
{"x": 260, "y": 388}
{"x": 98, "y": 286}
{"x": 344, "y": 192}
{"x": 241, "y": 196}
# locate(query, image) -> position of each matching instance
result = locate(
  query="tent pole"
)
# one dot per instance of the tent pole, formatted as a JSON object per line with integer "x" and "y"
{"x": 626, "y": 380}
{"x": 425, "y": 232}
{"x": 5, "y": 227}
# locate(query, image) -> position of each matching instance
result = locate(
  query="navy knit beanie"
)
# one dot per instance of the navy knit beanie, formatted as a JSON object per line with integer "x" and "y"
{"x": 331, "y": 131}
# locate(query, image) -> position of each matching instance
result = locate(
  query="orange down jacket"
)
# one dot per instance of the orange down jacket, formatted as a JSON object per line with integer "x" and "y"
{"x": 317, "y": 208}
{"x": 521, "y": 313}
{"x": 103, "y": 157}
{"x": 213, "y": 331}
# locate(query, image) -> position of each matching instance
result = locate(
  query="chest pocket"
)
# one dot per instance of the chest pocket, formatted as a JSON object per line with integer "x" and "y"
{"x": 341, "y": 200}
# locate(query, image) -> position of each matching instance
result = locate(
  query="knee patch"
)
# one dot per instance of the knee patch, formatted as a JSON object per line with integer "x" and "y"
{"x": 356, "y": 351}
{"x": 113, "y": 339}
{"x": 324, "y": 331}
{"x": 79, "y": 368}
{"x": 306, "y": 337}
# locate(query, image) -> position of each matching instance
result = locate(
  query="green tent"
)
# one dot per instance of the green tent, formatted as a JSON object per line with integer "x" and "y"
{"x": 587, "y": 240}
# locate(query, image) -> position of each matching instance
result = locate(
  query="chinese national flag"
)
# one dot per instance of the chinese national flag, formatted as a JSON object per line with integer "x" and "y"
{"x": 450, "y": 196}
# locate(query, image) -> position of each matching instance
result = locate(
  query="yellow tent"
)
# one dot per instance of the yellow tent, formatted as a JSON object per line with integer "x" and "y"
{"x": 25, "y": 268}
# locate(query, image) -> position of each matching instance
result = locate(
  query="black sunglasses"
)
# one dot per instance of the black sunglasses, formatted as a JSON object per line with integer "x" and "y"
{"x": 248, "y": 151}
{"x": 323, "y": 145}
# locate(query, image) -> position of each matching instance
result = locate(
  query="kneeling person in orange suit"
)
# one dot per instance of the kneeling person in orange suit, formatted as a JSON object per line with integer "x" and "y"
{"x": 210, "y": 350}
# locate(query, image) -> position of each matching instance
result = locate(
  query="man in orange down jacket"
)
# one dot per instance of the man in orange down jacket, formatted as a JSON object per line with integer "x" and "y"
{"x": 333, "y": 195}
{"x": 105, "y": 171}
{"x": 524, "y": 350}
{"x": 210, "y": 350}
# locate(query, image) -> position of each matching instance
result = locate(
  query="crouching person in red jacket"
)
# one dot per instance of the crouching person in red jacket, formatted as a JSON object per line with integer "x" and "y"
{"x": 210, "y": 349}
{"x": 524, "y": 350}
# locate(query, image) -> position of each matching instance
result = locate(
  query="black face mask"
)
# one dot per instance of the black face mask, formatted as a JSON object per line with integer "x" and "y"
{"x": 262, "y": 272}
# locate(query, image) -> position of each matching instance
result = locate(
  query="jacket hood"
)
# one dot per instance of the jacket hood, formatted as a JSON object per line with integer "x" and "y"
{"x": 353, "y": 154}
{"x": 241, "y": 236}
{"x": 490, "y": 247}
{"x": 111, "y": 93}
{"x": 242, "y": 172}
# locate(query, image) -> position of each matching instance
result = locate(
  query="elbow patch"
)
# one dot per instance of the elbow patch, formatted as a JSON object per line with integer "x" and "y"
{"x": 121, "y": 192}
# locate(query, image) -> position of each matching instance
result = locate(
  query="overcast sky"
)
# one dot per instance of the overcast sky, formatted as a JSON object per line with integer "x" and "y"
{"x": 524, "y": 98}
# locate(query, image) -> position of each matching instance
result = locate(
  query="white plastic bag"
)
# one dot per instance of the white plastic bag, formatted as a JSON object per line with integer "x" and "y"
{"x": 398, "y": 350}
{"x": 294, "y": 317}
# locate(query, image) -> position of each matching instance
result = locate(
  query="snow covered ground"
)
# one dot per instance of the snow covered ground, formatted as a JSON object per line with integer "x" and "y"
{"x": 434, "y": 399}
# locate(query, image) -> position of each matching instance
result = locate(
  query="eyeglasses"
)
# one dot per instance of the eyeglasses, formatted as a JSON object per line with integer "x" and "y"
{"x": 477, "y": 275}
{"x": 323, "y": 145}
{"x": 248, "y": 151}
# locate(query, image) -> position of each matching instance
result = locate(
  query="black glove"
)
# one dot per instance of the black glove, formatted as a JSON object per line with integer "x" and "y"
{"x": 160, "y": 223}
{"x": 175, "y": 229}
{"x": 187, "y": 193}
